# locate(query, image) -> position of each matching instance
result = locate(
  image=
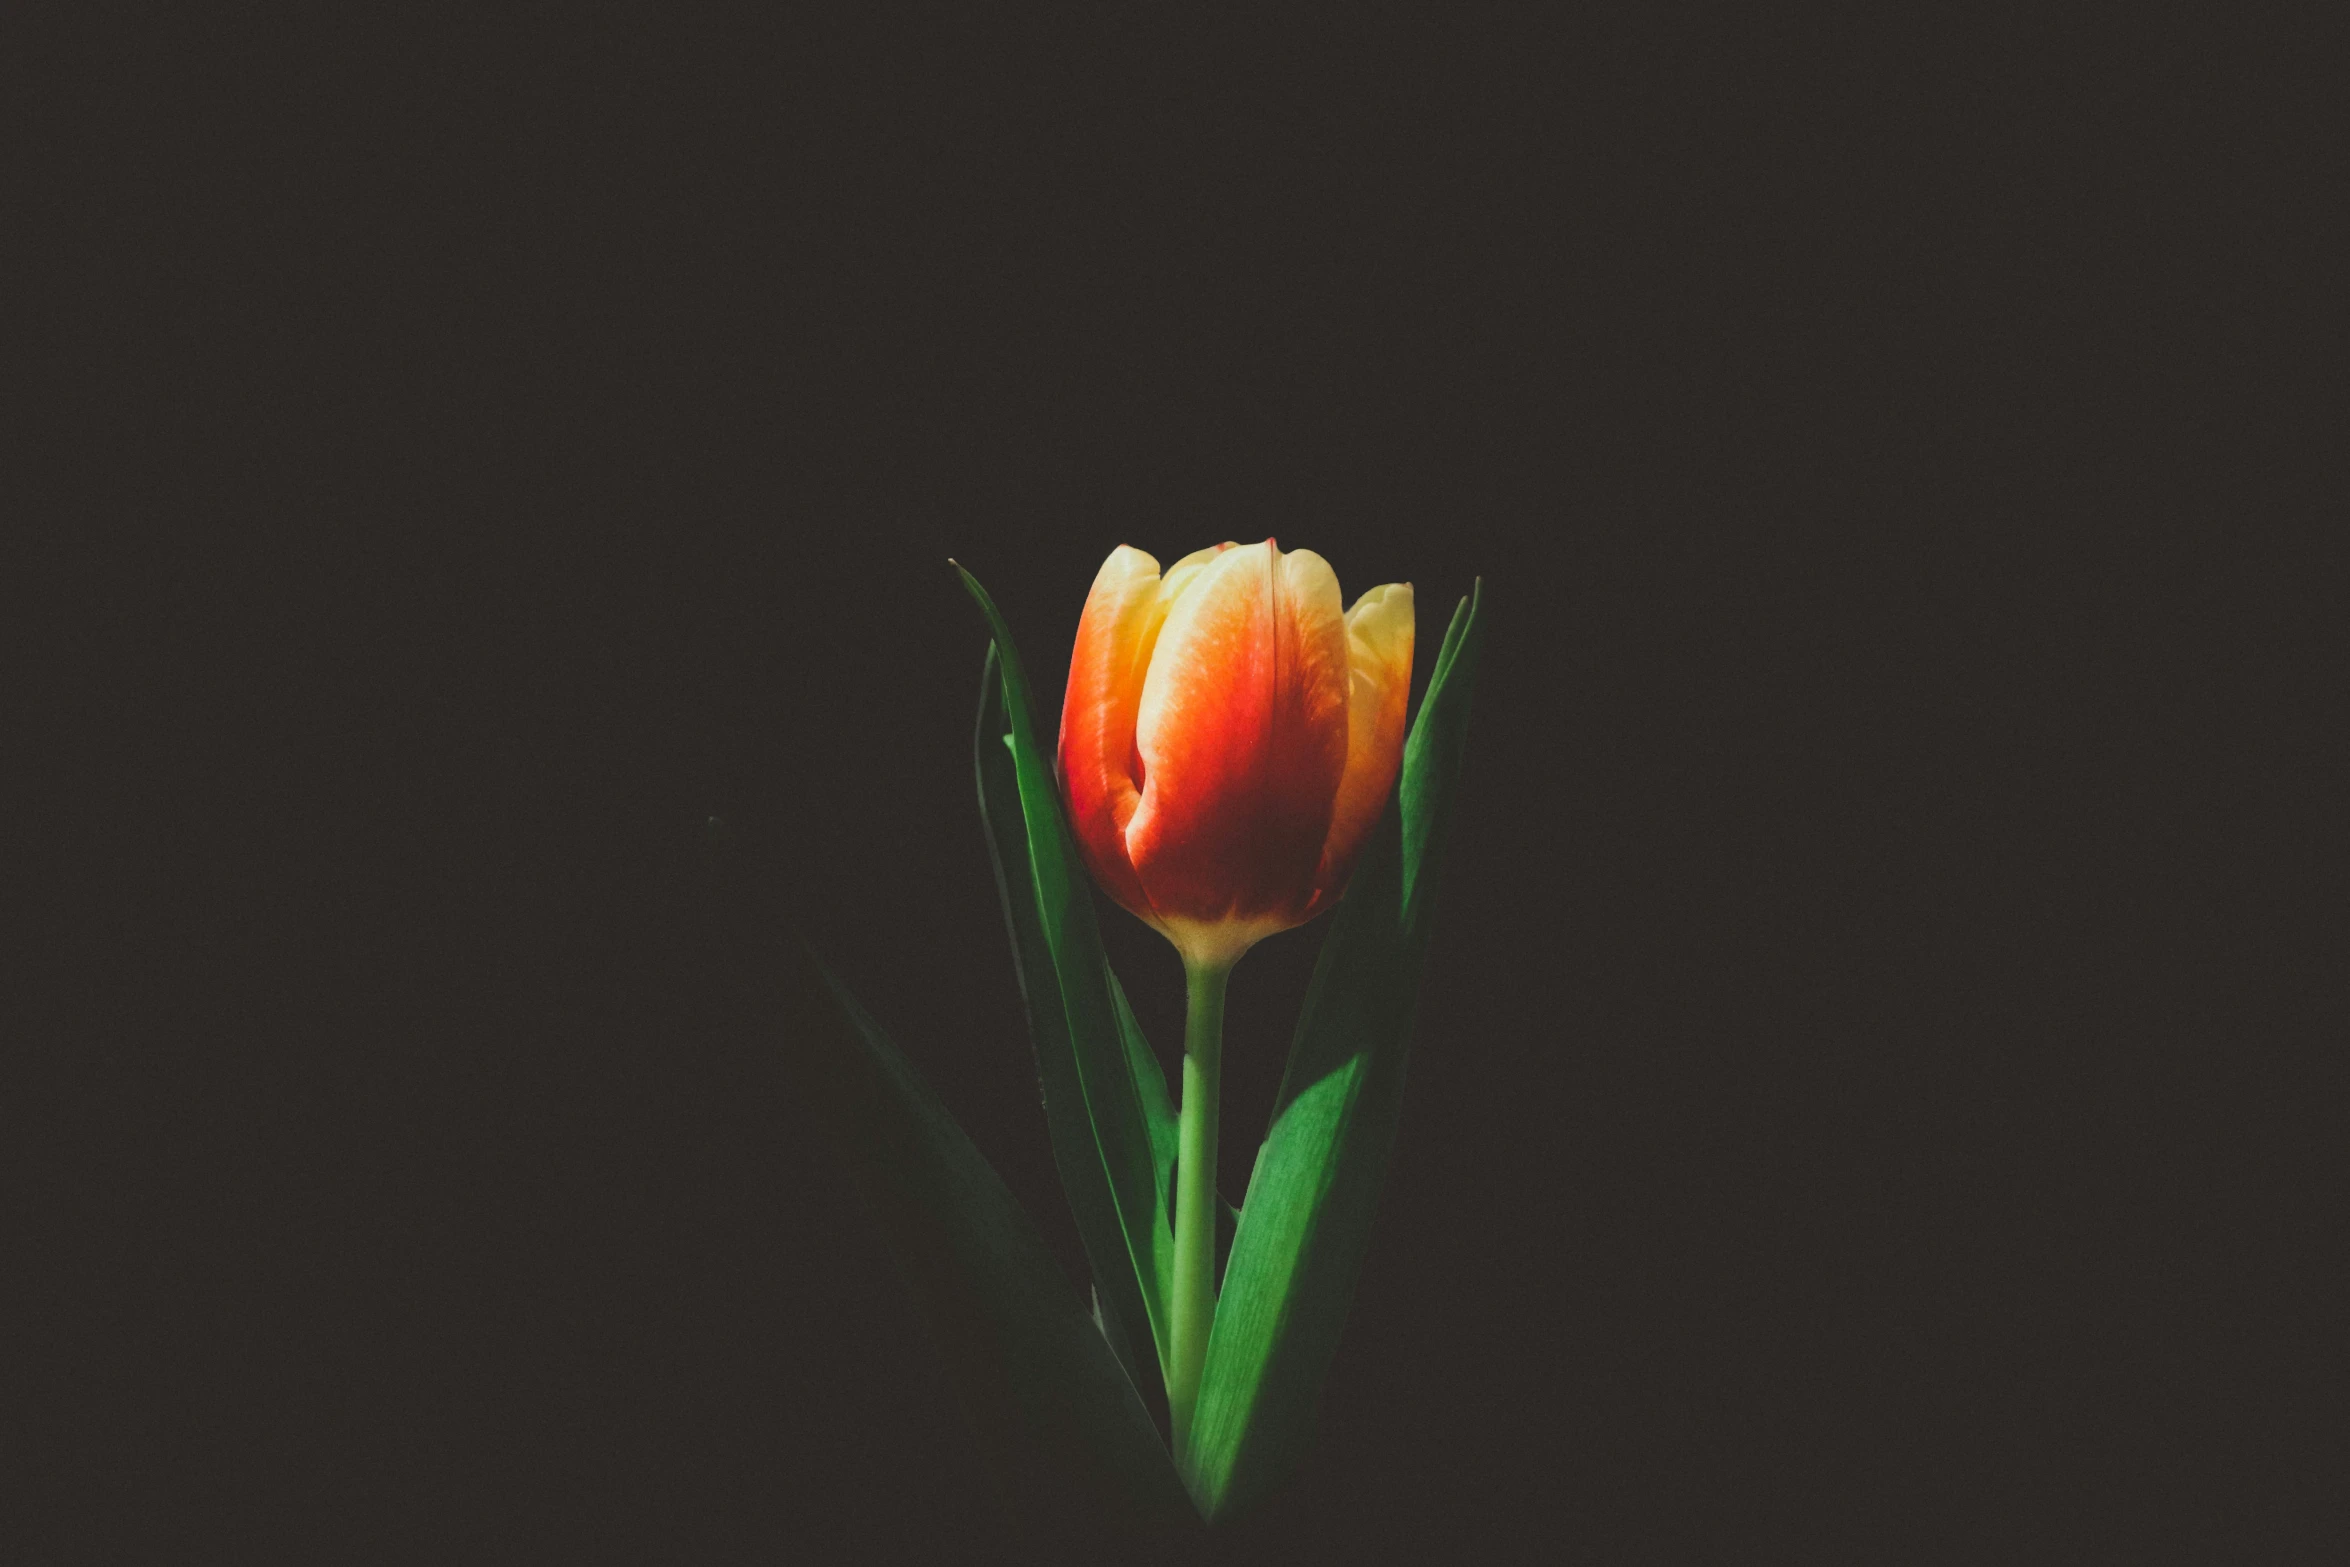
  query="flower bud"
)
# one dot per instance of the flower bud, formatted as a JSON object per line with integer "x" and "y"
{"x": 1229, "y": 738}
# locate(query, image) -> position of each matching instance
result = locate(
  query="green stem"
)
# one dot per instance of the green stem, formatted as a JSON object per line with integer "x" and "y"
{"x": 1195, "y": 1196}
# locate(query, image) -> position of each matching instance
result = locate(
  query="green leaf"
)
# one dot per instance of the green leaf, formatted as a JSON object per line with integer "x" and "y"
{"x": 1124, "y": 1091}
{"x": 1306, "y": 1220}
{"x": 1118, "y": 1296}
{"x": 1058, "y": 1422}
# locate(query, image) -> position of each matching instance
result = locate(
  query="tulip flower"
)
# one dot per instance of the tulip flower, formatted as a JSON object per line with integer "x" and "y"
{"x": 1228, "y": 740}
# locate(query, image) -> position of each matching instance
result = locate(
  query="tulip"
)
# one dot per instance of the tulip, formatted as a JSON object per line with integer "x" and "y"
{"x": 1228, "y": 740}
{"x": 1230, "y": 737}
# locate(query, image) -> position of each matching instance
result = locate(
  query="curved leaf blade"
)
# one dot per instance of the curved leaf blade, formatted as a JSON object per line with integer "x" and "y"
{"x": 1306, "y": 1221}
{"x": 1060, "y": 1425}
{"x": 1114, "y": 1068}
{"x": 1076, "y": 1154}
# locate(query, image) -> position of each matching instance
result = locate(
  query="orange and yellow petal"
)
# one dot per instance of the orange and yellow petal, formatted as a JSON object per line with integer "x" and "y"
{"x": 1106, "y": 669}
{"x": 1379, "y": 635}
{"x": 1241, "y": 734}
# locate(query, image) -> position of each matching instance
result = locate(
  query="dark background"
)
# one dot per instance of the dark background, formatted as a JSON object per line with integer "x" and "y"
{"x": 1844, "y": 1122}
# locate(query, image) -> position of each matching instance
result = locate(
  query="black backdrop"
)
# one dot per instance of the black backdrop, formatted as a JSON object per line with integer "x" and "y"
{"x": 532, "y": 438}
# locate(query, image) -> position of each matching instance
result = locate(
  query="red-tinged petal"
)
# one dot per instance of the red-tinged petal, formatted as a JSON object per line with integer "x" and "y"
{"x": 1241, "y": 732}
{"x": 1379, "y": 632}
{"x": 1106, "y": 669}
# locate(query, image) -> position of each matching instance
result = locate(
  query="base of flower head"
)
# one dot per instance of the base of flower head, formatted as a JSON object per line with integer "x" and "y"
{"x": 1218, "y": 944}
